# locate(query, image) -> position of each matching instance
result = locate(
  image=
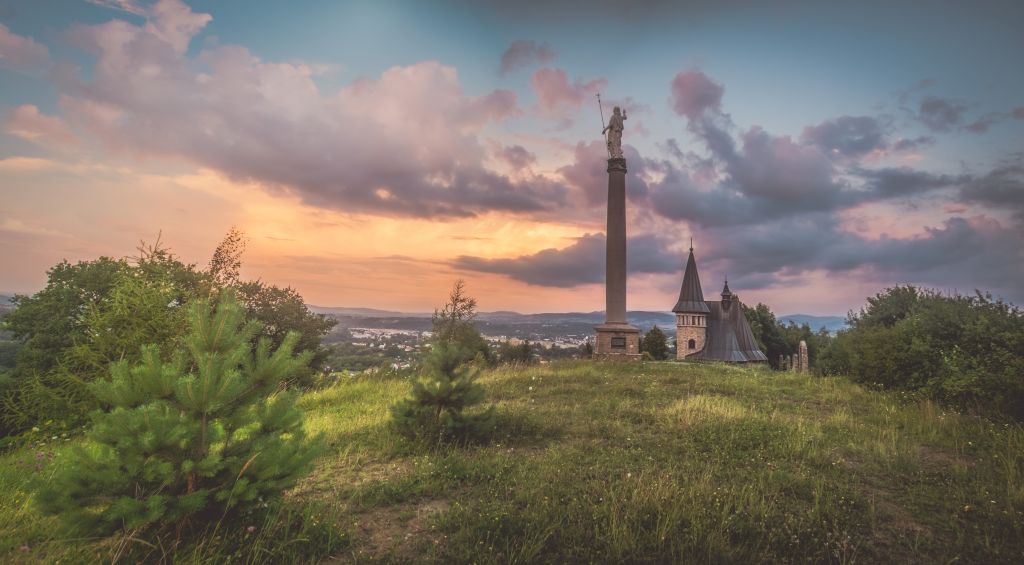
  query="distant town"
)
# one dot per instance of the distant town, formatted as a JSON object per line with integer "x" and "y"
{"x": 367, "y": 338}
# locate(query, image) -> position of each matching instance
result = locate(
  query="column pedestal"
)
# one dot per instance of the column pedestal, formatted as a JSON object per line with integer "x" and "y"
{"x": 617, "y": 342}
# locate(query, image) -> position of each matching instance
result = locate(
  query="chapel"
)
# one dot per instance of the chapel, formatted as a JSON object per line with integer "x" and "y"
{"x": 712, "y": 330}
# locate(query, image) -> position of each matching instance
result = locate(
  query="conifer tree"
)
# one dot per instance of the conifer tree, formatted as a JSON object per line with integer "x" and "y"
{"x": 434, "y": 412}
{"x": 187, "y": 440}
{"x": 655, "y": 343}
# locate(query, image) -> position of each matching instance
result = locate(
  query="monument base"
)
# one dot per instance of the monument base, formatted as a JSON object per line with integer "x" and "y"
{"x": 617, "y": 342}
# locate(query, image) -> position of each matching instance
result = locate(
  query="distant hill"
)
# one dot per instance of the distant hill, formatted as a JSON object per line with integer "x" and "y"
{"x": 366, "y": 312}
{"x": 543, "y": 325}
{"x": 830, "y": 323}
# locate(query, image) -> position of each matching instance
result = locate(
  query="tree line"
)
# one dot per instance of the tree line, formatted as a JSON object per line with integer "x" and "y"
{"x": 94, "y": 313}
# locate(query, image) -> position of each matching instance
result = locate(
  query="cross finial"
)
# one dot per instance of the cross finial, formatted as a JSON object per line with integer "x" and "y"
{"x": 691, "y": 244}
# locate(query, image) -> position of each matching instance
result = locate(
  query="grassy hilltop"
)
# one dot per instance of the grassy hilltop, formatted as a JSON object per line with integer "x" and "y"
{"x": 650, "y": 462}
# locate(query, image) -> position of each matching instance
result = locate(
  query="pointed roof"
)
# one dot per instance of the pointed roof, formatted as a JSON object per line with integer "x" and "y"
{"x": 725, "y": 290}
{"x": 691, "y": 298}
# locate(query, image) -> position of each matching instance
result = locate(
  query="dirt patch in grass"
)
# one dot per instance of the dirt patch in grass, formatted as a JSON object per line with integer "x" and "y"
{"x": 397, "y": 532}
{"x": 341, "y": 475}
{"x": 940, "y": 460}
{"x": 896, "y": 531}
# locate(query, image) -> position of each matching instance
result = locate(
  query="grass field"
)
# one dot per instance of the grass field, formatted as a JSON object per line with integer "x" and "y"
{"x": 653, "y": 462}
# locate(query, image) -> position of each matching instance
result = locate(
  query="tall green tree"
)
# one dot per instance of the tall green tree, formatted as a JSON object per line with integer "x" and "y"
{"x": 181, "y": 442}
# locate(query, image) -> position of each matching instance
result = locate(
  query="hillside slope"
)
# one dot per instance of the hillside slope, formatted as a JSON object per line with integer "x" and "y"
{"x": 655, "y": 462}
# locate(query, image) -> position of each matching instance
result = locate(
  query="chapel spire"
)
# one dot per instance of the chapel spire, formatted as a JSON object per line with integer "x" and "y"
{"x": 691, "y": 297}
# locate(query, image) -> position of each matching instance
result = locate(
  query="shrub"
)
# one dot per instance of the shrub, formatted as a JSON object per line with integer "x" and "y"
{"x": 434, "y": 412}
{"x": 187, "y": 440}
{"x": 967, "y": 351}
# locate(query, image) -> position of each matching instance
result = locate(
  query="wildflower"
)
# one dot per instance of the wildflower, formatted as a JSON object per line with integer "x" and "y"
{"x": 251, "y": 529}
{"x": 24, "y": 548}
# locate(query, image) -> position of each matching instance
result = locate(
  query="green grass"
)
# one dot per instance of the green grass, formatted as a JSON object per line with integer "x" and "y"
{"x": 654, "y": 462}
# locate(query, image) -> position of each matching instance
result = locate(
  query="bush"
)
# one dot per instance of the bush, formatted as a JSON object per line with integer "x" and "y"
{"x": 655, "y": 345}
{"x": 184, "y": 441}
{"x": 967, "y": 351}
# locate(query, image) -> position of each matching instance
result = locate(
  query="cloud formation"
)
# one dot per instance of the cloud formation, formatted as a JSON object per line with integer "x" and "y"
{"x": 693, "y": 93}
{"x": 583, "y": 262}
{"x": 524, "y": 53}
{"x": 847, "y": 136}
{"x": 941, "y": 114}
{"x": 557, "y": 95}
{"x": 404, "y": 143}
{"x": 21, "y": 53}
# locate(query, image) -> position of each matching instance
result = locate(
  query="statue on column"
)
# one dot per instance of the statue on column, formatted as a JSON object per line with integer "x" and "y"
{"x": 614, "y": 131}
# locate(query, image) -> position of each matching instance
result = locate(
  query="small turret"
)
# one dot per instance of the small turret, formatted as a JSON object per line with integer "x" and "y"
{"x": 727, "y": 296}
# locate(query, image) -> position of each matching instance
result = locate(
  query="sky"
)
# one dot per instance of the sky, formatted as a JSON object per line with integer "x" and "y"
{"x": 375, "y": 152}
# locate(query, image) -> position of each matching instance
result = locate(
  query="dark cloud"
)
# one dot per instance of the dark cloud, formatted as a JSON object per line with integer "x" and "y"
{"x": 516, "y": 156}
{"x": 1018, "y": 113}
{"x": 941, "y": 114}
{"x": 524, "y": 53}
{"x": 982, "y": 124}
{"x": 1001, "y": 188}
{"x": 961, "y": 253}
{"x": 847, "y": 136}
{"x": 581, "y": 263}
{"x": 893, "y": 182}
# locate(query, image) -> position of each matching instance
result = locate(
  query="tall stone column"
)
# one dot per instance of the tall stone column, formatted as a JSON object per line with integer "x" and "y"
{"x": 615, "y": 253}
{"x": 616, "y": 339}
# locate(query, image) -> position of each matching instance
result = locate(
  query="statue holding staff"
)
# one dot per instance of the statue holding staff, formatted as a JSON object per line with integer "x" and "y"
{"x": 614, "y": 130}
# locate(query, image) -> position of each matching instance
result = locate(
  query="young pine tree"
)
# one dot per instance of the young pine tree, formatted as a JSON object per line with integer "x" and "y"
{"x": 434, "y": 412}
{"x": 187, "y": 440}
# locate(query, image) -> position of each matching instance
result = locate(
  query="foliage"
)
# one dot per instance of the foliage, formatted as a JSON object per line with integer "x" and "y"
{"x": 655, "y": 343}
{"x": 187, "y": 440}
{"x": 453, "y": 324}
{"x": 434, "y": 412}
{"x": 226, "y": 262}
{"x": 48, "y": 322}
{"x": 967, "y": 351}
{"x": 587, "y": 350}
{"x": 775, "y": 338}
{"x": 521, "y": 354}
{"x": 90, "y": 315}
{"x": 281, "y": 311}
{"x": 93, "y": 313}
{"x": 8, "y": 354}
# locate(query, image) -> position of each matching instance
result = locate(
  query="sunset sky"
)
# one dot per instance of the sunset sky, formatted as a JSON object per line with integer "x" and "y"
{"x": 374, "y": 152}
